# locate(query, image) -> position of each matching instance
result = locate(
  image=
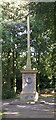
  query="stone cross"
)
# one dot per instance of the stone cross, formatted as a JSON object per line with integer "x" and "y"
{"x": 28, "y": 65}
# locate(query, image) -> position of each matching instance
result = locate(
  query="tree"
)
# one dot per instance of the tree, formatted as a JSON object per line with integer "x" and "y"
{"x": 42, "y": 37}
{"x": 14, "y": 43}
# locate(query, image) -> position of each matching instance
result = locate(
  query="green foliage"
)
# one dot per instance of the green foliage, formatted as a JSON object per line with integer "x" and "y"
{"x": 14, "y": 44}
{"x": 6, "y": 94}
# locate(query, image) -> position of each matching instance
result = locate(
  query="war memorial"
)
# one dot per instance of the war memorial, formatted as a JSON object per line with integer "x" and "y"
{"x": 28, "y": 93}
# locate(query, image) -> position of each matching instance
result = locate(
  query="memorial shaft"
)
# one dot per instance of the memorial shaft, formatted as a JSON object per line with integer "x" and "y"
{"x": 28, "y": 66}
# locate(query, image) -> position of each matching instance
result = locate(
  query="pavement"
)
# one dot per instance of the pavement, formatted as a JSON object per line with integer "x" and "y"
{"x": 43, "y": 108}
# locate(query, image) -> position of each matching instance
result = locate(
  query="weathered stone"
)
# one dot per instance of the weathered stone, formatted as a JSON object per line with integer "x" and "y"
{"x": 29, "y": 86}
{"x": 28, "y": 75}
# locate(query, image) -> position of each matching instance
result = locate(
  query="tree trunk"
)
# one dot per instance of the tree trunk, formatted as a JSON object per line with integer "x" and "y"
{"x": 8, "y": 72}
{"x": 38, "y": 72}
{"x": 14, "y": 70}
{"x": 38, "y": 84}
{"x": 38, "y": 80}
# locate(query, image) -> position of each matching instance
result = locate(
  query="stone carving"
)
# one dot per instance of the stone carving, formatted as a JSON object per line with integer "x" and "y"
{"x": 29, "y": 83}
{"x": 28, "y": 80}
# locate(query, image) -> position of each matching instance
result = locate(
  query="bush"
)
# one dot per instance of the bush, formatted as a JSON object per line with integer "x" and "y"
{"x": 6, "y": 94}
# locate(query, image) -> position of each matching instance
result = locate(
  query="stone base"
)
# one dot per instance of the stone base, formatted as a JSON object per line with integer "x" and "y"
{"x": 28, "y": 93}
{"x": 28, "y": 97}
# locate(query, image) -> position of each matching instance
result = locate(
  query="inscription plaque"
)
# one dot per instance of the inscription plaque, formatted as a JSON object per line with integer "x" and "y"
{"x": 29, "y": 83}
{"x": 29, "y": 97}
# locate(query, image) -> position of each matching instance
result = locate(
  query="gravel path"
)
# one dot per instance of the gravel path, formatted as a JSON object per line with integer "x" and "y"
{"x": 44, "y": 108}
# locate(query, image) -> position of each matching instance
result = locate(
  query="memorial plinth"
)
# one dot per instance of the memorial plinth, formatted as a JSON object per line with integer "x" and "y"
{"x": 29, "y": 86}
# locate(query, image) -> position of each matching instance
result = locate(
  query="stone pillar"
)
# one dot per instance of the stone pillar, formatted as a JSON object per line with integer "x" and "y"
{"x": 28, "y": 65}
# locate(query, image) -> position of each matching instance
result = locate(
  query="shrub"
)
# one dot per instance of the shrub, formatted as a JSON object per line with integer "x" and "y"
{"x": 6, "y": 94}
